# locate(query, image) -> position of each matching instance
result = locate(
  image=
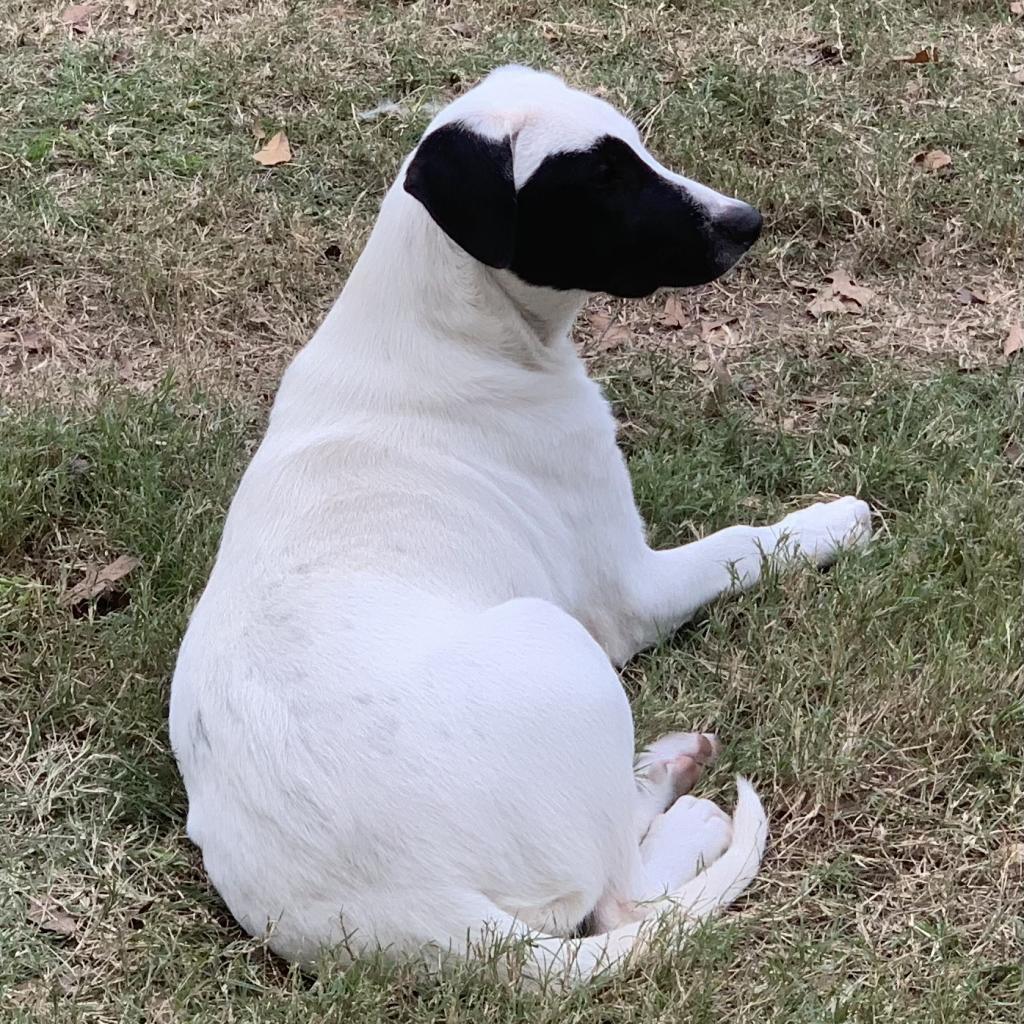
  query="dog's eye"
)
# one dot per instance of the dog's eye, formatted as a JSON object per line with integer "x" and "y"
{"x": 604, "y": 170}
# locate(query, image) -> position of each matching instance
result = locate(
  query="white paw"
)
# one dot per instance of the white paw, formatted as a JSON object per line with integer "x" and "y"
{"x": 821, "y": 531}
{"x": 691, "y": 835}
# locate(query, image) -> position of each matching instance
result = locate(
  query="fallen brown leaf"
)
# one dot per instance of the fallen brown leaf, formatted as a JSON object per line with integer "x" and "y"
{"x": 1017, "y": 7}
{"x": 932, "y": 160}
{"x": 1014, "y": 340}
{"x": 606, "y": 335}
{"x": 276, "y": 151}
{"x": 612, "y": 339}
{"x": 826, "y": 302}
{"x": 926, "y": 55}
{"x": 462, "y": 28}
{"x": 78, "y": 16}
{"x": 716, "y": 330}
{"x": 673, "y": 315}
{"x": 51, "y": 918}
{"x": 845, "y": 286}
{"x": 966, "y": 297}
{"x": 1018, "y": 77}
{"x": 841, "y": 294}
{"x": 99, "y": 580}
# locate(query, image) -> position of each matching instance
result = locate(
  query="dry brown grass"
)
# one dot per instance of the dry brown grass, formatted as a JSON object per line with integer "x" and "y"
{"x": 879, "y": 707}
{"x": 122, "y": 263}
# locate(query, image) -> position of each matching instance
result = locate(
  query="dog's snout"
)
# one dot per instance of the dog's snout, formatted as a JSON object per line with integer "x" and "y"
{"x": 740, "y": 223}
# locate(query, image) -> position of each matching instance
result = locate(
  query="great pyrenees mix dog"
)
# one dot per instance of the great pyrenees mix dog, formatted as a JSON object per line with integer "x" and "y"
{"x": 396, "y": 708}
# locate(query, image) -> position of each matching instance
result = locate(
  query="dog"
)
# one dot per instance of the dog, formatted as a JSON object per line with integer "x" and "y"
{"x": 396, "y": 709}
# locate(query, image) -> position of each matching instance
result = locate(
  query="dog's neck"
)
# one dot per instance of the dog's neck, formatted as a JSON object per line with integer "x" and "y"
{"x": 411, "y": 273}
{"x": 420, "y": 322}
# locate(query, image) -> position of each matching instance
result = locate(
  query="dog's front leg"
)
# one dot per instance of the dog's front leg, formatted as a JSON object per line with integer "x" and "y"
{"x": 673, "y": 585}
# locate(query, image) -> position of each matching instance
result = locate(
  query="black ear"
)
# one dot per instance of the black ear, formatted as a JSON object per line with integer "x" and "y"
{"x": 465, "y": 182}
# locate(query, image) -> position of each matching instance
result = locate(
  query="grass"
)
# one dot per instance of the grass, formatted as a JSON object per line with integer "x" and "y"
{"x": 879, "y": 707}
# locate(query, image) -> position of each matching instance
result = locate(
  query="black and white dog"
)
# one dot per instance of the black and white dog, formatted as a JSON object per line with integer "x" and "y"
{"x": 396, "y": 708}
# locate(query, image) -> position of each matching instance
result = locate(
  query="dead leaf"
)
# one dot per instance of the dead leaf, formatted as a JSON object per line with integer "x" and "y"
{"x": 932, "y": 160}
{"x": 826, "y": 302}
{"x": 276, "y": 151}
{"x": 612, "y": 339}
{"x": 1014, "y": 340}
{"x": 926, "y": 55}
{"x": 841, "y": 294}
{"x": 717, "y": 330}
{"x": 673, "y": 315}
{"x": 606, "y": 334}
{"x": 1017, "y": 7}
{"x": 1018, "y": 77}
{"x": 845, "y": 286}
{"x": 98, "y": 581}
{"x": 131, "y": 8}
{"x": 462, "y": 28}
{"x": 1014, "y": 452}
{"x": 48, "y": 916}
{"x": 966, "y": 297}
{"x": 78, "y": 16}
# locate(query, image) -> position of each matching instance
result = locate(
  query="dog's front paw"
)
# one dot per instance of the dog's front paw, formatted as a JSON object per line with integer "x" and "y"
{"x": 823, "y": 530}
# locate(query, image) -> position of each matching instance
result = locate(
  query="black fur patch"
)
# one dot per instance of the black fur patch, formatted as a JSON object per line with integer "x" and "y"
{"x": 604, "y": 221}
{"x": 465, "y": 182}
{"x": 597, "y": 220}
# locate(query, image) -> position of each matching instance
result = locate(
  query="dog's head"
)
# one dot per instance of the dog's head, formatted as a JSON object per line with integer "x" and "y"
{"x": 528, "y": 175}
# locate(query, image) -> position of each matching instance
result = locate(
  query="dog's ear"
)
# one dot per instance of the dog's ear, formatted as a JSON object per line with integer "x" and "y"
{"x": 465, "y": 181}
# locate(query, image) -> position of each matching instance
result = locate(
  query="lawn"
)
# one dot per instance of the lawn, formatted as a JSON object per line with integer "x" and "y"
{"x": 154, "y": 281}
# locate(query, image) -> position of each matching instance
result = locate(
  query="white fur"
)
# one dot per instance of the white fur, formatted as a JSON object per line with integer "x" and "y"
{"x": 395, "y": 709}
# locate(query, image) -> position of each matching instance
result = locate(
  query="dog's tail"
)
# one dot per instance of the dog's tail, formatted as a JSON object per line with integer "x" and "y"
{"x": 568, "y": 962}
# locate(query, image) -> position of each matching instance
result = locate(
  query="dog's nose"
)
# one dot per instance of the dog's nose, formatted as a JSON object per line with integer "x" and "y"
{"x": 740, "y": 224}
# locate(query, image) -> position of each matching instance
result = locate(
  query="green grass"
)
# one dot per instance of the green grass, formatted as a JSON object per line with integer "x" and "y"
{"x": 879, "y": 707}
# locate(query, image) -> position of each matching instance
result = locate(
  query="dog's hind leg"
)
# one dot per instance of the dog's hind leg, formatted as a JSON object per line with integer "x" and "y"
{"x": 680, "y": 845}
{"x": 668, "y": 769}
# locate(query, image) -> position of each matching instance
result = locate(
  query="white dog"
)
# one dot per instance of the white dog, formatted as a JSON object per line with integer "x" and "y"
{"x": 396, "y": 709}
